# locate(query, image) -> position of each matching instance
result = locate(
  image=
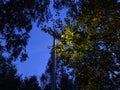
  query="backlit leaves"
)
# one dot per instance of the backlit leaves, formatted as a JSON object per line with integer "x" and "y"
{"x": 90, "y": 44}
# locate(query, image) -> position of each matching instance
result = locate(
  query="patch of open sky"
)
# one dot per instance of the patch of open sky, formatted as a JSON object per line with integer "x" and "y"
{"x": 38, "y": 53}
{"x": 102, "y": 45}
{"x": 118, "y": 1}
{"x": 5, "y": 1}
{"x": 37, "y": 48}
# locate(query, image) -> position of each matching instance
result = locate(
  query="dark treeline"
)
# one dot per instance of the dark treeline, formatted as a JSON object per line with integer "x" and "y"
{"x": 10, "y": 80}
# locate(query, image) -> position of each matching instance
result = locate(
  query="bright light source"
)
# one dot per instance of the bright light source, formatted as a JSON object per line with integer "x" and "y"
{"x": 62, "y": 36}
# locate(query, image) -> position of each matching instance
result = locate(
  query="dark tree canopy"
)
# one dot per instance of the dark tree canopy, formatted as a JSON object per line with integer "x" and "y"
{"x": 91, "y": 42}
{"x": 30, "y": 84}
{"x": 16, "y": 17}
{"x": 63, "y": 74}
{"x": 10, "y": 80}
{"x": 8, "y": 75}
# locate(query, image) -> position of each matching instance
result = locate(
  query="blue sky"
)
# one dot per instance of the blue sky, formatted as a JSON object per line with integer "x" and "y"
{"x": 38, "y": 52}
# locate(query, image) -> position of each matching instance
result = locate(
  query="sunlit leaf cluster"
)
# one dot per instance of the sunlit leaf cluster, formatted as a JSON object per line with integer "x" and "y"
{"x": 91, "y": 44}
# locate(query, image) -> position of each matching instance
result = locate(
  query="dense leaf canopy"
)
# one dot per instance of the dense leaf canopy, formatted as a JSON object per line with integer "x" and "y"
{"x": 90, "y": 43}
{"x": 16, "y": 17}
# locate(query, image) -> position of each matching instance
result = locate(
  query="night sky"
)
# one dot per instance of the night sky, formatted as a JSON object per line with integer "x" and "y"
{"x": 38, "y": 52}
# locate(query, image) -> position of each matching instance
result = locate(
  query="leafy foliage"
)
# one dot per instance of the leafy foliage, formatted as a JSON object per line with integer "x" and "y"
{"x": 10, "y": 80}
{"x": 30, "y": 84}
{"x": 8, "y": 77}
{"x": 16, "y": 17}
{"x": 90, "y": 43}
{"x": 63, "y": 74}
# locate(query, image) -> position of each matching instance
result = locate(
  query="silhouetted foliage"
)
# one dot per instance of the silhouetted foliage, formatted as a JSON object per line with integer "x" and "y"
{"x": 63, "y": 74}
{"x": 30, "y": 84}
{"x": 16, "y": 17}
{"x": 9, "y": 80}
{"x": 66, "y": 83}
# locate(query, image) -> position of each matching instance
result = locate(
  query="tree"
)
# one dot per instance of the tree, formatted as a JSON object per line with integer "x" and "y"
{"x": 16, "y": 17}
{"x": 9, "y": 80}
{"x": 30, "y": 84}
{"x": 63, "y": 74}
{"x": 66, "y": 83}
{"x": 90, "y": 42}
